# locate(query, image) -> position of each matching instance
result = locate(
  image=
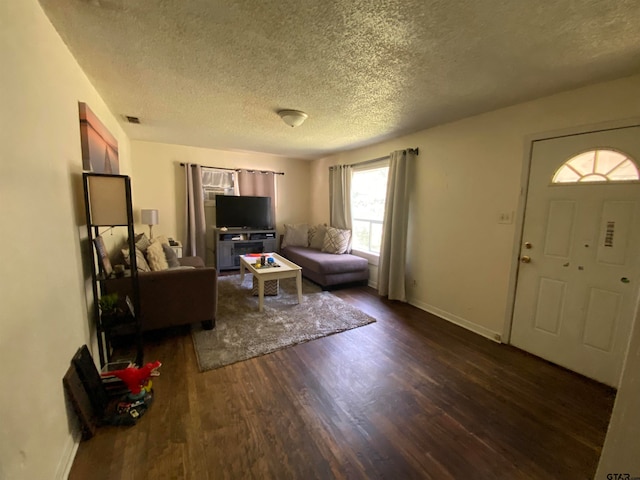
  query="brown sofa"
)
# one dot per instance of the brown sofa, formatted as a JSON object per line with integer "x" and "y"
{"x": 178, "y": 296}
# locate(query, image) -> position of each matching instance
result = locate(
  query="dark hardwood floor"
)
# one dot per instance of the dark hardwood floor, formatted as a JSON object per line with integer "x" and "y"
{"x": 410, "y": 396}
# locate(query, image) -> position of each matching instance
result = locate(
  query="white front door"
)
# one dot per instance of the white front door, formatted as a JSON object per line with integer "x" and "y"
{"x": 579, "y": 275}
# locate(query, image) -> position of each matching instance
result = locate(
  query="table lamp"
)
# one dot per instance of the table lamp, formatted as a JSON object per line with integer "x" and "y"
{"x": 149, "y": 217}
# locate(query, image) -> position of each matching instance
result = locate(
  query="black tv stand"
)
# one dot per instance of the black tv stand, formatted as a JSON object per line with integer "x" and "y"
{"x": 233, "y": 242}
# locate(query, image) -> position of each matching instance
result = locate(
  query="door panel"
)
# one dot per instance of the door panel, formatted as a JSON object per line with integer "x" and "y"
{"x": 575, "y": 298}
{"x": 559, "y": 228}
{"x": 602, "y": 315}
{"x": 549, "y": 306}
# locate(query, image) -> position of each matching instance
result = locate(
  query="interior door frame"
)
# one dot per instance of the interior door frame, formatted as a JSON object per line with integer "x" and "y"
{"x": 528, "y": 143}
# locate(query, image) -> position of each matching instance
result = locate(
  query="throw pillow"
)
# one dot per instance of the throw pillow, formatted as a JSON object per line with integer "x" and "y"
{"x": 155, "y": 257}
{"x": 142, "y": 242}
{"x": 316, "y": 236}
{"x": 336, "y": 240}
{"x": 125, "y": 257}
{"x": 296, "y": 235}
{"x": 141, "y": 262}
{"x": 162, "y": 239}
{"x": 170, "y": 254}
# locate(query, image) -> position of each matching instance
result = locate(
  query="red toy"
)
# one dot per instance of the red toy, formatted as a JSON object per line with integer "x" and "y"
{"x": 136, "y": 378}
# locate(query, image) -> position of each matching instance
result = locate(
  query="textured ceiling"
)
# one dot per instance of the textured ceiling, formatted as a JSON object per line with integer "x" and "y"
{"x": 213, "y": 73}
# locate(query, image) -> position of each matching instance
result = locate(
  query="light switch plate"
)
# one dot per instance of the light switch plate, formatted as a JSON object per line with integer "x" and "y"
{"x": 505, "y": 217}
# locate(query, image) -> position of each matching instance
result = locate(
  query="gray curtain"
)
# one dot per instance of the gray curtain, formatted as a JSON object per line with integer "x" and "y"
{"x": 340, "y": 196}
{"x": 259, "y": 184}
{"x": 196, "y": 225}
{"x": 393, "y": 251}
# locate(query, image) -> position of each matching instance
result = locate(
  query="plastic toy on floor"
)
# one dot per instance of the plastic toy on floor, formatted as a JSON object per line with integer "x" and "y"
{"x": 135, "y": 404}
{"x": 138, "y": 380}
{"x": 96, "y": 405}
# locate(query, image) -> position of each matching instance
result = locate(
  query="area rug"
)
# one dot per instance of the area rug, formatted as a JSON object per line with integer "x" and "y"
{"x": 242, "y": 332}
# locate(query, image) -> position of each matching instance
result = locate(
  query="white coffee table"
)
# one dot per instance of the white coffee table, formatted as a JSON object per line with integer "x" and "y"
{"x": 286, "y": 269}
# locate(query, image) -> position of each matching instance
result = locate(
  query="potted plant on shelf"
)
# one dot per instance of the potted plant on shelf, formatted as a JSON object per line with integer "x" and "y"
{"x": 109, "y": 308}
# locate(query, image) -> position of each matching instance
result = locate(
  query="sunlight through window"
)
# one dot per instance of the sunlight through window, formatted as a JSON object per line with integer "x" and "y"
{"x": 368, "y": 194}
{"x": 598, "y": 165}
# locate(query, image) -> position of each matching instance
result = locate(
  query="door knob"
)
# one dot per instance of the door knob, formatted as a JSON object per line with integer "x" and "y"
{"x": 525, "y": 259}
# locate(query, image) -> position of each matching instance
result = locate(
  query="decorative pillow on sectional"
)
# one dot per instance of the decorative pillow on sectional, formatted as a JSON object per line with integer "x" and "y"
{"x": 316, "y": 236}
{"x": 336, "y": 240}
{"x": 155, "y": 257}
{"x": 296, "y": 235}
{"x": 170, "y": 254}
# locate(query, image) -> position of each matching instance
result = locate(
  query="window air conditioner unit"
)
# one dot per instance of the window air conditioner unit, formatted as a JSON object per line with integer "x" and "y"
{"x": 211, "y": 192}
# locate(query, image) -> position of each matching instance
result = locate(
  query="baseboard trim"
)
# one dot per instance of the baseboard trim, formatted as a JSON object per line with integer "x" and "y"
{"x": 450, "y": 317}
{"x": 68, "y": 456}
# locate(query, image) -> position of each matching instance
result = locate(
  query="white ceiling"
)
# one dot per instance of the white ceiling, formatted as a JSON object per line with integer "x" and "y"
{"x": 213, "y": 73}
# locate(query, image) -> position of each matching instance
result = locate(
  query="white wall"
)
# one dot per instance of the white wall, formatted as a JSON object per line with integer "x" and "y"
{"x": 43, "y": 308}
{"x": 460, "y": 257}
{"x": 158, "y": 182}
{"x": 468, "y": 172}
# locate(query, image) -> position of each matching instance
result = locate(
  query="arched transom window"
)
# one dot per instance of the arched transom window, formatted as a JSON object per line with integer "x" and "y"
{"x": 600, "y": 165}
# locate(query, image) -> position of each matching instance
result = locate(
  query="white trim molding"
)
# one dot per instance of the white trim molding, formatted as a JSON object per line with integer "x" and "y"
{"x": 68, "y": 456}
{"x": 461, "y": 322}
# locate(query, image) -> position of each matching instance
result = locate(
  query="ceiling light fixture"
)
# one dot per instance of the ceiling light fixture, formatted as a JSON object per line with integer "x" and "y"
{"x": 293, "y": 118}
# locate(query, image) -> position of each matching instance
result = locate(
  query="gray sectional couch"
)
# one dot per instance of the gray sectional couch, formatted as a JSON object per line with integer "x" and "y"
{"x": 321, "y": 251}
{"x": 328, "y": 269}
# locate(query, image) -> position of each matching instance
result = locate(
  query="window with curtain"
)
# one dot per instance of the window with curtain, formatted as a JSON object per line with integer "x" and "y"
{"x": 368, "y": 195}
{"x": 218, "y": 182}
{"x": 259, "y": 184}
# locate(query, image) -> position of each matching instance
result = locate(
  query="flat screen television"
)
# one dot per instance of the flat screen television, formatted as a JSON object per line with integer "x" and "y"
{"x": 243, "y": 212}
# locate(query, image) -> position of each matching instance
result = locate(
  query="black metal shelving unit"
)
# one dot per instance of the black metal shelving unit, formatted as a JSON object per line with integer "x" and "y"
{"x": 101, "y": 193}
